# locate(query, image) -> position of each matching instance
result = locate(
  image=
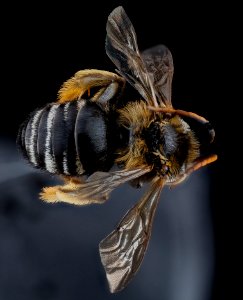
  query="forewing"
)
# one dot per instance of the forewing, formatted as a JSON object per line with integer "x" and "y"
{"x": 97, "y": 187}
{"x": 122, "y": 49}
{"x": 123, "y": 250}
{"x": 159, "y": 65}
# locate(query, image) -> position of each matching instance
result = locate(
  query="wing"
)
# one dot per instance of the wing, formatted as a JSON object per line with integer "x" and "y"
{"x": 150, "y": 73}
{"x": 122, "y": 49}
{"x": 95, "y": 189}
{"x": 159, "y": 65}
{"x": 123, "y": 250}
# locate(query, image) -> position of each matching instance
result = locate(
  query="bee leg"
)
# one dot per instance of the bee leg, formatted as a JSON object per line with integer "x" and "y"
{"x": 87, "y": 82}
{"x": 73, "y": 179}
{"x": 136, "y": 183}
{"x": 50, "y": 194}
{"x": 66, "y": 193}
{"x": 105, "y": 94}
{"x": 60, "y": 194}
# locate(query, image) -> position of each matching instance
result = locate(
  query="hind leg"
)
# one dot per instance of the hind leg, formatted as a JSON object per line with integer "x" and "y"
{"x": 97, "y": 85}
{"x": 65, "y": 193}
{"x": 49, "y": 194}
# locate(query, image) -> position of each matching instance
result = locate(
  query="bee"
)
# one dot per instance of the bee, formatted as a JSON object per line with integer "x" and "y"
{"x": 96, "y": 139}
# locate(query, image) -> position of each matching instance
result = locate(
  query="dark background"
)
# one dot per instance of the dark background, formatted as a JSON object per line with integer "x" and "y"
{"x": 44, "y": 45}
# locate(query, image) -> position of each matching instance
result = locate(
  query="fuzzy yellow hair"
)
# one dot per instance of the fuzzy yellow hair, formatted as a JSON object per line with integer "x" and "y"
{"x": 85, "y": 80}
{"x": 136, "y": 117}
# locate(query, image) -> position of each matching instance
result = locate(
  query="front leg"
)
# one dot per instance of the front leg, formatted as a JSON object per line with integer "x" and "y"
{"x": 99, "y": 86}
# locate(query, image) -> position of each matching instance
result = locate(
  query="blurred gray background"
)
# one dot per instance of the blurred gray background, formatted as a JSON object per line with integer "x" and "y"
{"x": 50, "y": 251}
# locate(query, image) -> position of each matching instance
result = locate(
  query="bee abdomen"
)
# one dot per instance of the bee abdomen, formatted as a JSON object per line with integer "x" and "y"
{"x": 47, "y": 138}
{"x": 93, "y": 139}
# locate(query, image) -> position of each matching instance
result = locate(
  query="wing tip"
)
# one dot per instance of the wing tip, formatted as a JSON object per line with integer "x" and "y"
{"x": 116, "y": 13}
{"x": 118, "y": 10}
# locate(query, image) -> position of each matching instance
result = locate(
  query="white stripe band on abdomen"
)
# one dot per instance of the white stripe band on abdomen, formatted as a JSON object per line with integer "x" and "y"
{"x": 30, "y": 146}
{"x": 65, "y": 163}
{"x": 50, "y": 162}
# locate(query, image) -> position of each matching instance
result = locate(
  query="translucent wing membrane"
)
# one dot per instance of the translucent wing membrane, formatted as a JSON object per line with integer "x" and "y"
{"x": 121, "y": 47}
{"x": 123, "y": 250}
{"x": 159, "y": 65}
{"x": 97, "y": 188}
{"x": 151, "y": 72}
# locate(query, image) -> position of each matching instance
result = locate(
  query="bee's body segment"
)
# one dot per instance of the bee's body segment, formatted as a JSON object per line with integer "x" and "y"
{"x": 93, "y": 138}
{"x": 94, "y": 126}
{"x": 62, "y": 138}
{"x": 48, "y": 138}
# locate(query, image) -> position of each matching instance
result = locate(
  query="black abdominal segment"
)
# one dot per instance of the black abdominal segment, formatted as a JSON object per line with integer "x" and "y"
{"x": 68, "y": 138}
{"x": 91, "y": 135}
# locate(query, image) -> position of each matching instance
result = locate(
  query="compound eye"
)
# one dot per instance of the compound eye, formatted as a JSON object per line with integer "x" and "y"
{"x": 164, "y": 169}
